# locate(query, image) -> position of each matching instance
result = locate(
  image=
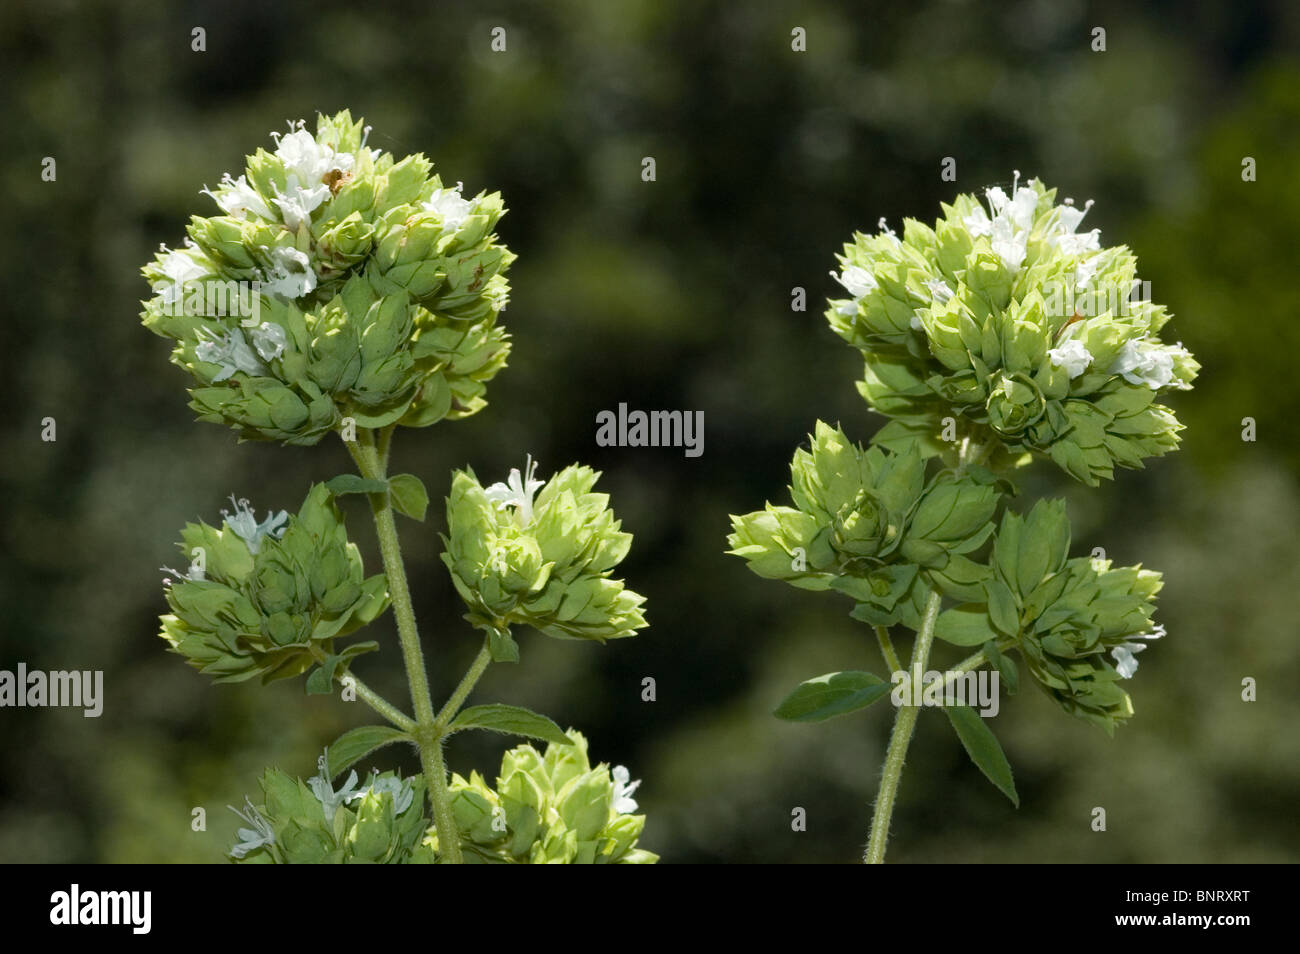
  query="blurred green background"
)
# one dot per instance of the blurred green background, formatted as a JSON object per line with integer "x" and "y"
{"x": 672, "y": 294}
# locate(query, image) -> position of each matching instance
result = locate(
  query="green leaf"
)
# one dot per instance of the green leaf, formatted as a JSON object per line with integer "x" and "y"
{"x": 408, "y": 495}
{"x": 835, "y": 693}
{"x": 321, "y": 681}
{"x": 983, "y": 748}
{"x": 353, "y": 484}
{"x": 509, "y": 719}
{"x": 355, "y": 744}
{"x": 965, "y": 625}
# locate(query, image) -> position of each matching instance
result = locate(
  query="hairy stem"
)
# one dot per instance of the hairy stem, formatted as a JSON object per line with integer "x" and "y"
{"x": 381, "y": 705}
{"x": 463, "y": 690}
{"x": 373, "y": 466}
{"x": 887, "y": 649}
{"x": 899, "y": 739}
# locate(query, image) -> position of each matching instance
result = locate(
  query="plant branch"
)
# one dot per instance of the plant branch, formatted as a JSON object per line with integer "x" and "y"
{"x": 463, "y": 690}
{"x": 887, "y": 649}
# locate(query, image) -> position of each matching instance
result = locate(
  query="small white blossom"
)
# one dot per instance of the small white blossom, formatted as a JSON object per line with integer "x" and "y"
{"x": 237, "y": 198}
{"x": 856, "y": 280}
{"x": 1145, "y": 362}
{"x": 250, "y": 839}
{"x": 230, "y": 351}
{"x": 624, "y": 803}
{"x": 291, "y": 275}
{"x": 323, "y": 789}
{"x": 269, "y": 339}
{"x": 298, "y": 202}
{"x": 518, "y": 491}
{"x": 1126, "y": 663}
{"x": 1009, "y": 227}
{"x": 243, "y": 522}
{"x": 1071, "y": 355}
{"x": 399, "y": 788}
{"x": 450, "y": 206}
{"x": 178, "y": 268}
{"x": 939, "y": 291}
{"x": 1064, "y": 234}
{"x": 308, "y": 159}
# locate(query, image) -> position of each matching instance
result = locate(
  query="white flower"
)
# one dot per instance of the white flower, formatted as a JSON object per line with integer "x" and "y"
{"x": 299, "y": 202}
{"x": 915, "y": 322}
{"x": 518, "y": 492}
{"x": 624, "y": 803}
{"x": 400, "y": 788}
{"x": 243, "y": 522}
{"x": 250, "y": 839}
{"x": 323, "y": 789}
{"x": 939, "y": 291}
{"x": 291, "y": 275}
{"x": 269, "y": 339}
{"x": 230, "y": 351}
{"x": 1125, "y": 662}
{"x": 308, "y": 159}
{"x": 856, "y": 280}
{"x": 178, "y": 268}
{"x": 237, "y": 198}
{"x": 1071, "y": 355}
{"x": 1063, "y": 233}
{"x": 1144, "y": 362}
{"x": 1008, "y": 228}
{"x": 194, "y": 574}
{"x": 450, "y": 206}
{"x": 1085, "y": 271}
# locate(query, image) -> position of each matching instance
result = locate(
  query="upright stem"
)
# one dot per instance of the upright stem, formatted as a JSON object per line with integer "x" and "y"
{"x": 373, "y": 466}
{"x": 905, "y": 720}
{"x": 887, "y": 649}
{"x": 900, "y": 738}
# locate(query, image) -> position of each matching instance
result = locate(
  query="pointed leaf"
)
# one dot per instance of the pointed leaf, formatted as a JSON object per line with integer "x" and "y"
{"x": 355, "y": 744}
{"x": 835, "y": 693}
{"x": 511, "y": 720}
{"x": 983, "y": 748}
{"x": 408, "y": 495}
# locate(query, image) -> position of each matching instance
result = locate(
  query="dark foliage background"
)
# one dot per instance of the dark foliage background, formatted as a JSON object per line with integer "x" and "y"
{"x": 672, "y": 294}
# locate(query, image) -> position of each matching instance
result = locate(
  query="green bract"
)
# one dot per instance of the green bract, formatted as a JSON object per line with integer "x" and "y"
{"x": 269, "y": 599}
{"x": 339, "y": 283}
{"x": 541, "y": 555}
{"x": 1017, "y": 326}
{"x": 865, "y": 521}
{"x": 548, "y": 809}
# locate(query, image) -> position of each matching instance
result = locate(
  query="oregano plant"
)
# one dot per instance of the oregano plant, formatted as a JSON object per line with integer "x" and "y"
{"x": 996, "y": 338}
{"x": 343, "y": 291}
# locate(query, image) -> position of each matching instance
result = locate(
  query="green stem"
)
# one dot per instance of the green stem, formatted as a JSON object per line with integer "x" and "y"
{"x": 466, "y": 686}
{"x": 900, "y": 738}
{"x": 887, "y": 649}
{"x": 373, "y": 467}
{"x": 974, "y": 661}
{"x": 381, "y": 705}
